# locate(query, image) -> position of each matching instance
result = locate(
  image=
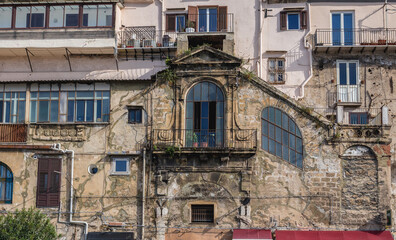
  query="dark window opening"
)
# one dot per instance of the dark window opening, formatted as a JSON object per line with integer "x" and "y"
{"x": 202, "y": 213}
{"x": 6, "y": 184}
{"x": 215, "y": 41}
{"x": 358, "y": 118}
{"x": 135, "y": 115}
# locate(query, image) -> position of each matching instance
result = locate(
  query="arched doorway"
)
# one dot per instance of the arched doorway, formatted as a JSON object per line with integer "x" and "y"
{"x": 205, "y": 116}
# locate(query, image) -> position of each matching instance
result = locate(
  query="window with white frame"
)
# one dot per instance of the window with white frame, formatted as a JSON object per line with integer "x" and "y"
{"x": 120, "y": 166}
{"x": 55, "y": 105}
{"x": 276, "y": 70}
{"x": 348, "y": 81}
{"x": 12, "y": 107}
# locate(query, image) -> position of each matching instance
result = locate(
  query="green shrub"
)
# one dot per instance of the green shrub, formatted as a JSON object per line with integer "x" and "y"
{"x": 26, "y": 224}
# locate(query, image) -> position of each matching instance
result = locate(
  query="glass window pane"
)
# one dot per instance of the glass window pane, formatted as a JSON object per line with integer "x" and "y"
{"x": 132, "y": 115}
{"x": 292, "y": 157}
{"x": 293, "y": 21}
{"x": 271, "y": 131}
{"x": 272, "y": 146}
{"x": 190, "y": 95}
{"x": 33, "y": 109}
{"x": 70, "y": 111}
{"x": 264, "y": 143}
{"x": 212, "y": 92}
{"x": 21, "y": 112}
{"x": 205, "y": 91}
{"x": 292, "y": 126}
{"x": 353, "y": 118}
{"x": 298, "y": 133}
{"x": 22, "y": 17}
{"x": 204, "y": 109}
{"x": 285, "y": 138}
{"x": 342, "y": 78}
{"x": 90, "y": 14}
{"x": 85, "y": 95}
{"x": 54, "y": 111}
{"x": 278, "y": 117}
{"x": 71, "y": 16}
{"x": 271, "y": 112}
{"x": 264, "y": 128}
{"x": 121, "y": 166}
{"x": 139, "y": 115}
{"x": 352, "y": 74}
{"x": 197, "y": 92}
{"x": 278, "y": 149}
{"x": 265, "y": 114}
{"x": 55, "y": 95}
{"x": 220, "y": 109}
{"x": 105, "y": 15}
{"x": 37, "y": 16}
{"x": 43, "y": 111}
{"x": 292, "y": 142}
{"x": 278, "y": 134}
{"x": 80, "y": 115}
{"x": 56, "y": 16}
{"x": 285, "y": 153}
{"x": 44, "y": 95}
{"x": 98, "y": 110}
{"x": 5, "y": 17}
{"x": 106, "y": 106}
{"x": 7, "y": 117}
{"x": 299, "y": 145}
{"x": 90, "y": 111}
{"x": 220, "y": 96}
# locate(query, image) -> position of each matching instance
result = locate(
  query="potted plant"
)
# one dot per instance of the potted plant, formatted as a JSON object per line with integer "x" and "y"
{"x": 195, "y": 140}
{"x": 190, "y": 26}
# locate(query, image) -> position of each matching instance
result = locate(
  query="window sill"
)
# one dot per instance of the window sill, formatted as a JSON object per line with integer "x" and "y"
{"x": 277, "y": 83}
{"x": 120, "y": 174}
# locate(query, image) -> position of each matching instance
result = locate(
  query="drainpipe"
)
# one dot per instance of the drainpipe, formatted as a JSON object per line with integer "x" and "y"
{"x": 143, "y": 190}
{"x": 261, "y": 41}
{"x": 57, "y": 147}
{"x": 308, "y": 46}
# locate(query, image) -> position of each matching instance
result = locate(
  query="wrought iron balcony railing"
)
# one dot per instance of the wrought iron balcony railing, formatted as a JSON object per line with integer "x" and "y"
{"x": 145, "y": 37}
{"x": 345, "y": 94}
{"x": 13, "y": 133}
{"x": 355, "y": 37}
{"x": 206, "y": 139}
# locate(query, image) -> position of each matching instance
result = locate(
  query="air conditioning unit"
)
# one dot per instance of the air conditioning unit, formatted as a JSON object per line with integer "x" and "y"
{"x": 148, "y": 43}
{"x": 135, "y": 43}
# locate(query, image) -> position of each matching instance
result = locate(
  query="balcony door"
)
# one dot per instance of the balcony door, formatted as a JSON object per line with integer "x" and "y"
{"x": 205, "y": 116}
{"x": 207, "y": 21}
{"x": 342, "y": 28}
{"x": 347, "y": 82}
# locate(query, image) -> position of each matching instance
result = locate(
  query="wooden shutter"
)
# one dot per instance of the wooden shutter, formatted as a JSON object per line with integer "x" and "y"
{"x": 193, "y": 15}
{"x": 48, "y": 182}
{"x": 303, "y": 20}
{"x": 222, "y": 19}
{"x": 283, "y": 20}
{"x": 170, "y": 23}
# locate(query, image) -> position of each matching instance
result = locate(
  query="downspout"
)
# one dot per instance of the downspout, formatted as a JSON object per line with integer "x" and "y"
{"x": 57, "y": 147}
{"x": 261, "y": 41}
{"x": 143, "y": 190}
{"x": 308, "y": 46}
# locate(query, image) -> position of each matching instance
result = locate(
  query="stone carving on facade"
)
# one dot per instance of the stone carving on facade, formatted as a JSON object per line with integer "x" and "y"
{"x": 54, "y": 132}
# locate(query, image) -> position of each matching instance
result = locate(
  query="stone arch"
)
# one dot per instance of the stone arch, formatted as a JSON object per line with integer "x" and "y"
{"x": 360, "y": 189}
{"x": 193, "y": 82}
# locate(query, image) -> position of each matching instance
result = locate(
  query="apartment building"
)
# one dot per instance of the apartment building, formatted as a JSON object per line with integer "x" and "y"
{"x": 142, "y": 120}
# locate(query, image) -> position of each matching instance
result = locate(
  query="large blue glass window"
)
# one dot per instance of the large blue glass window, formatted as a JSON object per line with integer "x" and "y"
{"x": 281, "y": 136}
{"x": 6, "y": 184}
{"x": 205, "y": 116}
{"x": 293, "y": 21}
{"x": 207, "y": 20}
{"x": 12, "y": 107}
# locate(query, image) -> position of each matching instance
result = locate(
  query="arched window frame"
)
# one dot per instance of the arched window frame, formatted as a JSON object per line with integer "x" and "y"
{"x": 6, "y": 184}
{"x": 281, "y": 136}
{"x": 204, "y": 93}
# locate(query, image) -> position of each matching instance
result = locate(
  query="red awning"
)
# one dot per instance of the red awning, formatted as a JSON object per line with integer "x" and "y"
{"x": 333, "y": 235}
{"x": 261, "y": 234}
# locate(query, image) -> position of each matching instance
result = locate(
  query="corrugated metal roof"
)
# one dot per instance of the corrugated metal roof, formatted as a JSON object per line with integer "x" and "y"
{"x": 106, "y": 75}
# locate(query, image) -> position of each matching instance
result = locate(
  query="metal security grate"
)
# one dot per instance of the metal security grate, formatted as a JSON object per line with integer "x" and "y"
{"x": 202, "y": 213}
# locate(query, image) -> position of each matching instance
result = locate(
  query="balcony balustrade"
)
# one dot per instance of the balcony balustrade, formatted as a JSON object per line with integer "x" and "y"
{"x": 13, "y": 133}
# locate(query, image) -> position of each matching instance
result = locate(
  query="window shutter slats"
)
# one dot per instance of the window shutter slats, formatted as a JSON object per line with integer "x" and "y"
{"x": 304, "y": 20}
{"x": 48, "y": 182}
{"x": 193, "y": 15}
{"x": 170, "y": 23}
{"x": 283, "y": 21}
{"x": 222, "y": 19}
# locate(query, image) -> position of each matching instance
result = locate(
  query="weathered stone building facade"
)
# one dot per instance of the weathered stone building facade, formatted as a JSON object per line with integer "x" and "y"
{"x": 106, "y": 139}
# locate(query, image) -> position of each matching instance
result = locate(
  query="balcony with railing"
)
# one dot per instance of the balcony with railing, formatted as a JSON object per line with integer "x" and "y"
{"x": 13, "y": 133}
{"x": 348, "y": 95}
{"x": 372, "y": 38}
{"x": 221, "y": 140}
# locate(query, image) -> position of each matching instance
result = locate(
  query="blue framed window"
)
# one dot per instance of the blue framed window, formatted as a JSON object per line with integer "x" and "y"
{"x": 6, "y": 184}
{"x": 120, "y": 166}
{"x": 207, "y": 20}
{"x": 12, "y": 107}
{"x": 293, "y": 21}
{"x": 69, "y": 106}
{"x": 358, "y": 118}
{"x": 281, "y": 136}
{"x": 135, "y": 115}
{"x": 342, "y": 28}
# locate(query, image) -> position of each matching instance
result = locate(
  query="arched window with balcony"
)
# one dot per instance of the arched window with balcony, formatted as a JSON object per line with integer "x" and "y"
{"x": 281, "y": 136}
{"x": 205, "y": 116}
{"x": 6, "y": 184}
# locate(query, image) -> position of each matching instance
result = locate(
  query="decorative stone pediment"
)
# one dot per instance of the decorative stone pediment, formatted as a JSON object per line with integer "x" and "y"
{"x": 207, "y": 55}
{"x": 55, "y": 132}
